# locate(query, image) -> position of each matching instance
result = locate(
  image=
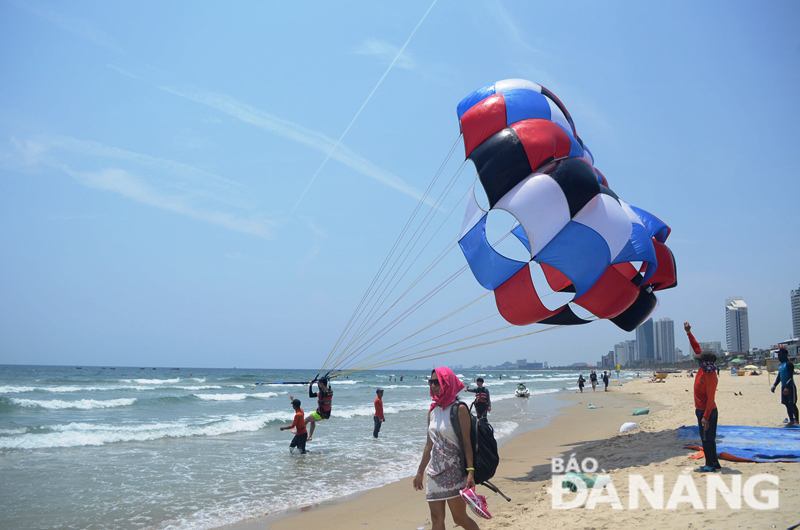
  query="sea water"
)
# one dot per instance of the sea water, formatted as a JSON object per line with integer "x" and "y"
{"x": 112, "y": 447}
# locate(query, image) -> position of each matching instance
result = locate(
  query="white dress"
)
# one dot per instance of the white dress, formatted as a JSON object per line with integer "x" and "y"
{"x": 446, "y": 476}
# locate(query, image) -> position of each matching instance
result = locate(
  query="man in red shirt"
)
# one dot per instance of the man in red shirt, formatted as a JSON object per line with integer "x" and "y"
{"x": 301, "y": 434}
{"x": 378, "y": 417}
{"x": 705, "y": 386}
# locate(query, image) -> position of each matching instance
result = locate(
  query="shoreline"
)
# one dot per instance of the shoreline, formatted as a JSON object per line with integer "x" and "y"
{"x": 652, "y": 452}
{"x": 402, "y": 507}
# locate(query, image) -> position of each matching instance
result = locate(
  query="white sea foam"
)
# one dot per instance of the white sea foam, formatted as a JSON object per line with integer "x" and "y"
{"x": 8, "y": 432}
{"x": 82, "y": 404}
{"x": 234, "y": 397}
{"x": 504, "y": 428}
{"x": 388, "y": 408}
{"x": 152, "y": 381}
{"x": 88, "y": 434}
{"x": 16, "y": 389}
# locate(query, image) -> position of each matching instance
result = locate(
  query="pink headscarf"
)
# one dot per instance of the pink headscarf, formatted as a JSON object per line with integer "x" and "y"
{"x": 449, "y": 387}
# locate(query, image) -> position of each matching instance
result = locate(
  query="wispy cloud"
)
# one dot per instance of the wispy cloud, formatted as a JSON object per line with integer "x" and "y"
{"x": 586, "y": 114}
{"x": 308, "y": 260}
{"x": 386, "y": 52}
{"x": 78, "y": 26}
{"x": 157, "y": 182}
{"x": 123, "y": 71}
{"x": 297, "y": 133}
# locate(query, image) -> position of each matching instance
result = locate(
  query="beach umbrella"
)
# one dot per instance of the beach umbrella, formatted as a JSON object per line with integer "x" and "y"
{"x": 737, "y": 360}
{"x": 751, "y": 367}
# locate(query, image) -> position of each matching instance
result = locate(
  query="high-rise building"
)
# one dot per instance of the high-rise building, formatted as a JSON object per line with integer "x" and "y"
{"x": 664, "y": 338}
{"x": 715, "y": 347}
{"x": 624, "y": 353}
{"x": 795, "y": 297}
{"x": 737, "y": 331}
{"x": 645, "y": 342}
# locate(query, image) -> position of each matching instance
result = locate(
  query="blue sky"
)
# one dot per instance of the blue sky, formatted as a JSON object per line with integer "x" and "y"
{"x": 157, "y": 205}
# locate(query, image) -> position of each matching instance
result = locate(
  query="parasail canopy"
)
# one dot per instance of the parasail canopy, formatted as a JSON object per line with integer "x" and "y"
{"x": 532, "y": 164}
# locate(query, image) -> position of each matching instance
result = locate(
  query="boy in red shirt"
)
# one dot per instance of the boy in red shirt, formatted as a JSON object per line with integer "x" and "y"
{"x": 378, "y": 417}
{"x": 705, "y": 386}
{"x": 299, "y": 423}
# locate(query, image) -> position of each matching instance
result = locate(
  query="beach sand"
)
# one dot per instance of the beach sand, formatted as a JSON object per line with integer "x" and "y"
{"x": 651, "y": 450}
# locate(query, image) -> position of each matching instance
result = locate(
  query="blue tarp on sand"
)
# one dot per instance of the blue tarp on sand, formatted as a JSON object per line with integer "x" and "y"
{"x": 756, "y": 444}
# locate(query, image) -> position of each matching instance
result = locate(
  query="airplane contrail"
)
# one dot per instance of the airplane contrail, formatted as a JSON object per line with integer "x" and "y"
{"x": 313, "y": 178}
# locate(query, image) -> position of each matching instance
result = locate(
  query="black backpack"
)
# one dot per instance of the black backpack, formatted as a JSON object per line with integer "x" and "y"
{"x": 485, "y": 458}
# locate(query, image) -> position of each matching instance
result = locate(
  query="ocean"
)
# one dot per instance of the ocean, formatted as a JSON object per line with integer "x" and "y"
{"x": 197, "y": 448}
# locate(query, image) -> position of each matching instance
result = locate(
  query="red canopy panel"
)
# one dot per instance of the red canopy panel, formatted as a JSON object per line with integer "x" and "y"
{"x": 518, "y": 302}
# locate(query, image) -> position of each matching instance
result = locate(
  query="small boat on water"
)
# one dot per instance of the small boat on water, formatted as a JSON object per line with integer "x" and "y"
{"x": 522, "y": 391}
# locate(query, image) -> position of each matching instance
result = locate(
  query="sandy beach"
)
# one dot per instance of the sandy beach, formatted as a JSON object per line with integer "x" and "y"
{"x": 650, "y": 451}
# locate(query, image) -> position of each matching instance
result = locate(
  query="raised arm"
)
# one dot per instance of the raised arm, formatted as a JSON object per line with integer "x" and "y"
{"x": 695, "y": 346}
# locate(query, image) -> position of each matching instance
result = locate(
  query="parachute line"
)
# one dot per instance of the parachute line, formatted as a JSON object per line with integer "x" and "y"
{"x": 378, "y": 275}
{"x": 396, "y": 57}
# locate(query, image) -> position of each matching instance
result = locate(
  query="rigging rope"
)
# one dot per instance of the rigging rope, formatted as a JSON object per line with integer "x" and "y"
{"x": 356, "y": 312}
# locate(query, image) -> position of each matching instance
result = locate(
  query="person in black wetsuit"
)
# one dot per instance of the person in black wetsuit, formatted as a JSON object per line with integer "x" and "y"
{"x": 483, "y": 401}
{"x": 788, "y": 388}
{"x": 324, "y": 401}
{"x": 605, "y": 379}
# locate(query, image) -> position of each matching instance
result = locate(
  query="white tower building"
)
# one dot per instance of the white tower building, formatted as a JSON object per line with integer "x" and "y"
{"x": 795, "y": 296}
{"x": 737, "y": 331}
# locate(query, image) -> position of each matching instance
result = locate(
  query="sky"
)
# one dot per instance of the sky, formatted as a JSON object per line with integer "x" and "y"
{"x": 211, "y": 184}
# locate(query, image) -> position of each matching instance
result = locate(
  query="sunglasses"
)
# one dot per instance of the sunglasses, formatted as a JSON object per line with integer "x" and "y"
{"x": 434, "y": 382}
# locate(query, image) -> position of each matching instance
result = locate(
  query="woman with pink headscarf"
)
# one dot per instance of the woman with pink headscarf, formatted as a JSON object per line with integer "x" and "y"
{"x": 442, "y": 457}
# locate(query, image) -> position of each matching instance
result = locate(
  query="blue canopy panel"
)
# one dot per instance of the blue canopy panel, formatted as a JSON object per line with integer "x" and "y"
{"x": 639, "y": 248}
{"x": 589, "y": 157}
{"x": 502, "y": 87}
{"x": 474, "y": 98}
{"x": 490, "y": 268}
{"x": 578, "y": 252}
{"x": 522, "y": 236}
{"x": 526, "y": 105}
{"x": 655, "y": 226}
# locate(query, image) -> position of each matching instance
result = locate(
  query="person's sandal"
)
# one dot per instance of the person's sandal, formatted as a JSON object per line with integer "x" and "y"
{"x": 705, "y": 469}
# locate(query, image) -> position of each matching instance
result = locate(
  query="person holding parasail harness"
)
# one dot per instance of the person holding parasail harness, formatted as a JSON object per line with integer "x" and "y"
{"x": 324, "y": 400}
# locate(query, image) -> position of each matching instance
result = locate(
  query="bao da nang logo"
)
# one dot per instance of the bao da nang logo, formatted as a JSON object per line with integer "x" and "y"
{"x": 577, "y": 484}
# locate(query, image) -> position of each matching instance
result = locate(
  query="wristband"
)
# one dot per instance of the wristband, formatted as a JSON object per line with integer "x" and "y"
{"x": 470, "y": 469}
